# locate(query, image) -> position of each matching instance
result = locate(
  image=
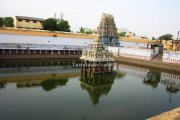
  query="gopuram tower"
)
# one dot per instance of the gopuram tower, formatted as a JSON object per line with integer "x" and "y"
{"x": 108, "y": 31}
{"x": 97, "y": 59}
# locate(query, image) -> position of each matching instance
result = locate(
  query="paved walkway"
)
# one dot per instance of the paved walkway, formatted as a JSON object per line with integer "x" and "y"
{"x": 156, "y": 63}
{"x": 170, "y": 115}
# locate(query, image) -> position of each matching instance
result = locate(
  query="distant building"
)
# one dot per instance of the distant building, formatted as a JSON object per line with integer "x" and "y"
{"x": 28, "y": 22}
{"x": 171, "y": 45}
{"x": 130, "y": 34}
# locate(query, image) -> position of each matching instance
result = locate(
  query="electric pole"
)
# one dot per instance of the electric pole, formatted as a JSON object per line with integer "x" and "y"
{"x": 178, "y": 35}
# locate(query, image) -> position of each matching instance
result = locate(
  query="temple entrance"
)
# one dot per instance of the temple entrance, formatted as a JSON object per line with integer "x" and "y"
{"x": 110, "y": 41}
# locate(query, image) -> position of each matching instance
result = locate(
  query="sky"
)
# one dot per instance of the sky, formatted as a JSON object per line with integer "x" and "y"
{"x": 143, "y": 17}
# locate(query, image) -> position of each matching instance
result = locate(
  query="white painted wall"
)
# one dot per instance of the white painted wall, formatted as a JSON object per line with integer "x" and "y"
{"x": 171, "y": 57}
{"x": 42, "y": 40}
{"x": 132, "y": 52}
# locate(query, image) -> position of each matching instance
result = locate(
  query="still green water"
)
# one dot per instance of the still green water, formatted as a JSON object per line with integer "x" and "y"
{"x": 54, "y": 90}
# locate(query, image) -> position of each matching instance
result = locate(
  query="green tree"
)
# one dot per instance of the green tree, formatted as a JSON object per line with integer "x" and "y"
{"x": 1, "y": 22}
{"x": 88, "y": 32}
{"x": 122, "y": 34}
{"x": 63, "y": 25}
{"x": 50, "y": 24}
{"x": 166, "y": 37}
{"x": 153, "y": 38}
{"x": 81, "y": 30}
{"x": 8, "y": 22}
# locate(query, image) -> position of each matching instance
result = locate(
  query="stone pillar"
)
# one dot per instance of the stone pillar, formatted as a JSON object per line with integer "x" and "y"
{"x": 74, "y": 52}
{"x": 10, "y": 51}
{"x": 46, "y": 52}
{"x": 40, "y": 52}
{"x": 34, "y": 51}
{"x": 52, "y": 52}
{"x": 58, "y": 52}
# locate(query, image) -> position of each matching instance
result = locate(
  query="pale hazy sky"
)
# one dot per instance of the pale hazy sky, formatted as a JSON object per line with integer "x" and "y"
{"x": 144, "y": 17}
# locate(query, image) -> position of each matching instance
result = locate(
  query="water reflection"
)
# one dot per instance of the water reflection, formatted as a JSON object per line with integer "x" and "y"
{"x": 48, "y": 74}
{"x": 97, "y": 85}
{"x": 152, "y": 79}
{"x": 54, "y": 91}
{"x": 170, "y": 81}
{"x": 47, "y": 85}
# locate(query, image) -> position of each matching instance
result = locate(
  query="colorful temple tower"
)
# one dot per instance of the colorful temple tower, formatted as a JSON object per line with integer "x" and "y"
{"x": 108, "y": 31}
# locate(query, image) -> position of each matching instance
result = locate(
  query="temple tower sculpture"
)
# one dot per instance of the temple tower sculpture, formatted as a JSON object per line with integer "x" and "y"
{"x": 97, "y": 59}
{"x": 108, "y": 31}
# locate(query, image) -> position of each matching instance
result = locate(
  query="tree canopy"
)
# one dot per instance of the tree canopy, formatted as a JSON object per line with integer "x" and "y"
{"x": 8, "y": 22}
{"x": 50, "y": 24}
{"x": 56, "y": 25}
{"x": 153, "y": 38}
{"x": 63, "y": 25}
{"x": 122, "y": 34}
{"x": 1, "y": 22}
{"x": 81, "y": 30}
{"x": 166, "y": 37}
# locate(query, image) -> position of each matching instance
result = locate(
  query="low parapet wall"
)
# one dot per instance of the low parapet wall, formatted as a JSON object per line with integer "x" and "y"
{"x": 38, "y": 54}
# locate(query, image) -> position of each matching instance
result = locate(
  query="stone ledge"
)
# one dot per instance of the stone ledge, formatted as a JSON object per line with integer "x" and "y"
{"x": 169, "y": 115}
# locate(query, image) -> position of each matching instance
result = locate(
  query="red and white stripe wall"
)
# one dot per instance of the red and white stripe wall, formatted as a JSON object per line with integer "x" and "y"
{"x": 171, "y": 57}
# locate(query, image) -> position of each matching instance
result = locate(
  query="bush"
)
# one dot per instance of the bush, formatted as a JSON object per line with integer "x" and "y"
{"x": 8, "y": 22}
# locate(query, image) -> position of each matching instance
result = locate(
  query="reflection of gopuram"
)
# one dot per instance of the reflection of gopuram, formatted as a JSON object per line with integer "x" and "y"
{"x": 97, "y": 84}
{"x": 97, "y": 59}
{"x": 153, "y": 79}
{"x": 108, "y": 31}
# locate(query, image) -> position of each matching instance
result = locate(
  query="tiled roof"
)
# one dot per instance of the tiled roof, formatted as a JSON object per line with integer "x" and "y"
{"x": 29, "y": 18}
{"x": 176, "y": 41}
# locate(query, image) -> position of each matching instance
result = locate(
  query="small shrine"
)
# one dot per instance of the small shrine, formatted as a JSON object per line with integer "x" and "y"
{"x": 97, "y": 59}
